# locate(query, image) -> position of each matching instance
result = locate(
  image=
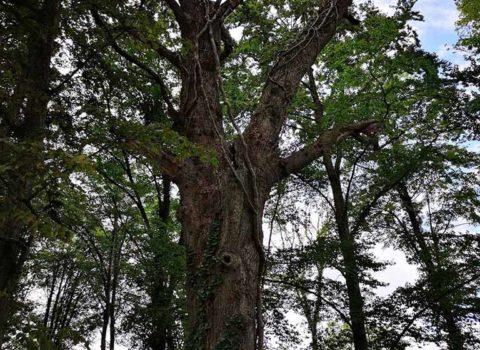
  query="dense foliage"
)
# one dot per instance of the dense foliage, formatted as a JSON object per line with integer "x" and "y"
{"x": 96, "y": 246}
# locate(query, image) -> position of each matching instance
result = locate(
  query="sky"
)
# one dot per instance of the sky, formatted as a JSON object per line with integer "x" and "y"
{"x": 437, "y": 34}
{"x": 437, "y": 31}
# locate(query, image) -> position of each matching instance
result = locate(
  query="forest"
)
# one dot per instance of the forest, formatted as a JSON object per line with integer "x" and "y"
{"x": 237, "y": 175}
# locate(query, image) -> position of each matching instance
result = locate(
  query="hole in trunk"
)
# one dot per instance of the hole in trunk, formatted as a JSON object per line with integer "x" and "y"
{"x": 227, "y": 259}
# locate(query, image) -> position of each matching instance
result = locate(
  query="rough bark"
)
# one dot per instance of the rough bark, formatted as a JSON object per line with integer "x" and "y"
{"x": 221, "y": 206}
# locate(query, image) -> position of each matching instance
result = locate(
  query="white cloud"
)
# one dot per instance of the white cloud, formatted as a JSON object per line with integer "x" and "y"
{"x": 397, "y": 274}
{"x": 439, "y": 15}
{"x": 386, "y": 6}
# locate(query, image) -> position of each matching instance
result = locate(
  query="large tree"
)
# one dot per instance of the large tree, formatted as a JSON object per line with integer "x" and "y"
{"x": 222, "y": 200}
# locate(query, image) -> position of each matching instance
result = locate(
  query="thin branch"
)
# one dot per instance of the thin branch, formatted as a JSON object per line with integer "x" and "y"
{"x": 367, "y": 209}
{"x": 134, "y": 60}
{"x": 312, "y": 87}
{"x": 326, "y": 301}
{"x": 434, "y": 301}
{"x": 171, "y": 56}
{"x": 316, "y": 189}
{"x": 350, "y": 180}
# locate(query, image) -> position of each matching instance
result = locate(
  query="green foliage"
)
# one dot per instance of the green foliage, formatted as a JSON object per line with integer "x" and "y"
{"x": 100, "y": 209}
{"x": 469, "y": 23}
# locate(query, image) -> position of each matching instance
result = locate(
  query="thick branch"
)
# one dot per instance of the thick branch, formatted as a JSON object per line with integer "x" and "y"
{"x": 227, "y": 8}
{"x": 284, "y": 78}
{"x": 177, "y": 12}
{"x": 228, "y": 43}
{"x": 301, "y": 158}
{"x": 171, "y": 56}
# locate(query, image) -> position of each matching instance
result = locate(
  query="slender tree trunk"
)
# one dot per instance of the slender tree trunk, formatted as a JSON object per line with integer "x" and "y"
{"x": 455, "y": 337}
{"x": 426, "y": 254}
{"x": 161, "y": 292}
{"x": 355, "y": 299}
{"x": 112, "y": 327}
{"x": 111, "y": 309}
{"x": 312, "y": 314}
{"x": 50, "y": 294}
{"x": 347, "y": 248}
{"x": 12, "y": 257}
{"x": 161, "y": 295}
{"x": 103, "y": 335}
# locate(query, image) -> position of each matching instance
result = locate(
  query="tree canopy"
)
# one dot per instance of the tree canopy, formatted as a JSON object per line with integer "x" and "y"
{"x": 213, "y": 175}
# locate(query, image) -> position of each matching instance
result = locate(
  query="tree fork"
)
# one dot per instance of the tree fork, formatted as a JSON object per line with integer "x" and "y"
{"x": 222, "y": 205}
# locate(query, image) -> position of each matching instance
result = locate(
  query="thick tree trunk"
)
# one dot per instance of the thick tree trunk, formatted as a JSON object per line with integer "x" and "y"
{"x": 219, "y": 222}
{"x": 222, "y": 204}
{"x": 223, "y": 261}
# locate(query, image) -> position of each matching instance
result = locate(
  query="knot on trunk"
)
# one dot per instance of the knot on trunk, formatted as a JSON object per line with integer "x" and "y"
{"x": 229, "y": 260}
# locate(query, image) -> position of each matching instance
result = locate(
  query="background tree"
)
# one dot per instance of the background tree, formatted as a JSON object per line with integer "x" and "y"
{"x": 162, "y": 111}
{"x": 30, "y": 30}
